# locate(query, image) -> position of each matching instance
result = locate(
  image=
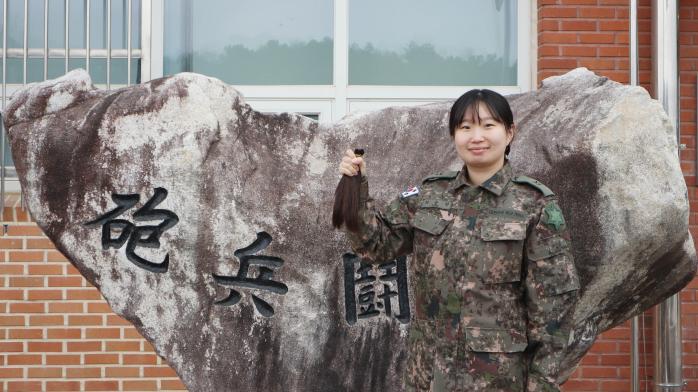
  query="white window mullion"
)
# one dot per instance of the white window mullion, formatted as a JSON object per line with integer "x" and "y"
{"x": 527, "y": 44}
{"x": 341, "y": 58}
{"x": 146, "y": 33}
{"x": 157, "y": 38}
{"x": 152, "y": 32}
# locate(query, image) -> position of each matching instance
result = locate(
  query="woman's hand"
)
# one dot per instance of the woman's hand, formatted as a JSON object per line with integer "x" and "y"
{"x": 351, "y": 164}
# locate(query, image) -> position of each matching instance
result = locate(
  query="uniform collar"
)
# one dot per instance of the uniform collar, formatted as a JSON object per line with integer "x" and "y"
{"x": 494, "y": 184}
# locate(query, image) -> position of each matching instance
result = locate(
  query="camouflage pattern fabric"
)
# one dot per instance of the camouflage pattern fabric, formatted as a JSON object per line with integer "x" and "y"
{"x": 493, "y": 278}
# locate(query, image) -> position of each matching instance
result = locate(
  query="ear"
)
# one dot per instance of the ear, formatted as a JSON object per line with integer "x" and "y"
{"x": 510, "y": 133}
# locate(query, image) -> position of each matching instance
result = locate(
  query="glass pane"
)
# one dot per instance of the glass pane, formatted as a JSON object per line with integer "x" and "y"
{"x": 98, "y": 24}
{"x": 438, "y": 43}
{"x": 14, "y": 70}
{"x": 135, "y": 71}
{"x": 118, "y": 71}
{"x": 98, "y": 70}
{"x": 56, "y": 24}
{"x": 15, "y": 24}
{"x": 56, "y": 67}
{"x": 135, "y": 24}
{"x": 75, "y": 63}
{"x": 242, "y": 42}
{"x": 76, "y": 24}
{"x": 35, "y": 34}
{"x": 35, "y": 70}
{"x": 118, "y": 24}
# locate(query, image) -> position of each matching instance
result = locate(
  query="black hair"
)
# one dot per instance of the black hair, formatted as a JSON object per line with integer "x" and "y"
{"x": 495, "y": 102}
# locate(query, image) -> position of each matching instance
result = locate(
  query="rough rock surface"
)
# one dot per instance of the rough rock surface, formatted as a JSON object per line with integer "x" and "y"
{"x": 607, "y": 150}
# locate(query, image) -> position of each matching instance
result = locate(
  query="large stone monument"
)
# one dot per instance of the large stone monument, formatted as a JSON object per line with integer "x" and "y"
{"x": 207, "y": 224}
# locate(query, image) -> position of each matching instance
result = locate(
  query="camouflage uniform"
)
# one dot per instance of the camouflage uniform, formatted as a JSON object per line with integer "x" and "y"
{"x": 492, "y": 275}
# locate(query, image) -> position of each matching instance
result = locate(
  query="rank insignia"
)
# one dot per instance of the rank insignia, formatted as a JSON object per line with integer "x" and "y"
{"x": 554, "y": 216}
{"x": 411, "y": 191}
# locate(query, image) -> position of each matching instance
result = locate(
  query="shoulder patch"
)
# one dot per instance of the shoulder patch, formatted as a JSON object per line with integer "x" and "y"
{"x": 534, "y": 183}
{"x": 411, "y": 191}
{"x": 447, "y": 175}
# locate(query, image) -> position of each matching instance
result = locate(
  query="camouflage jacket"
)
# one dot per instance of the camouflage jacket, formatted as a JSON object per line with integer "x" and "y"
{"x": 493, "y": 261}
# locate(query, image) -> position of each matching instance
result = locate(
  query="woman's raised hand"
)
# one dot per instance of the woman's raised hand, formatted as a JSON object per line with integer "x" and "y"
{"x": 351, "y": 164}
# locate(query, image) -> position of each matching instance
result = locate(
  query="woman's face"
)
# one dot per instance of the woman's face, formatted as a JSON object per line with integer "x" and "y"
{"x": 481, "y": 145}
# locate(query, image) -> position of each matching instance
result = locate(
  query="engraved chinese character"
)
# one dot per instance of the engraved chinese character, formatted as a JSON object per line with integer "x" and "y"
{"x": 147, "y": 236}
{"x": 262, "y": 282}
{"x": 392, "y": 283}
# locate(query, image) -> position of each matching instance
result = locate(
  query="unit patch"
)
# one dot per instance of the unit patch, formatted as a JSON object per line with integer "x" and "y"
{"x": 554, "y": 216}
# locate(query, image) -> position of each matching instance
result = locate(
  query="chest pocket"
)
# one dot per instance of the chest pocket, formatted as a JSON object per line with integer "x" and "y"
{"x": 430, "y": 215}
{"x": 429, "y": 222}
{"x": 498, "y": 254}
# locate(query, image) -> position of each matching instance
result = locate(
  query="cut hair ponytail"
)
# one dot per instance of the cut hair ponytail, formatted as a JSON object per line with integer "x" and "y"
{"x": 346, "y": 200}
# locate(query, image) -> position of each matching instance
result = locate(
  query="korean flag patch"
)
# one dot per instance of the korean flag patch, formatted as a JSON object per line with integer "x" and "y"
{"x": 411, "y": 191}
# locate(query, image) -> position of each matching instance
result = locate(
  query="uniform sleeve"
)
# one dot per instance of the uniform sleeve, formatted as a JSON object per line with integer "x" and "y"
{"x": 552, "y": 287}
{"x": 382, "y": 236}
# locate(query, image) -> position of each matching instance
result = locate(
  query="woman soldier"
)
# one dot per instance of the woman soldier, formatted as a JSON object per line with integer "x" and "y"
{"x": 492, "y": 272}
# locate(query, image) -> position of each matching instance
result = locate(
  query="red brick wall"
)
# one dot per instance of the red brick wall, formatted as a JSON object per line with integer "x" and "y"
{"x": 688, "y": 68}
{"x": 592, "y": 34}
{"x": 595, "y": 34}
{"x": 56, "y": 331}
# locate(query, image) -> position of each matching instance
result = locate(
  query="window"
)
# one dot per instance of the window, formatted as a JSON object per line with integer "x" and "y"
{"x": 56, "y": 37}
{"x": 50, "y": 50}
{"x": 332, "y": 57}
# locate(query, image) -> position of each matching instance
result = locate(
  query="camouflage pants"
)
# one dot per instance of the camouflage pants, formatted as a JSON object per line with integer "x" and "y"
{"x": 438, "y": 361}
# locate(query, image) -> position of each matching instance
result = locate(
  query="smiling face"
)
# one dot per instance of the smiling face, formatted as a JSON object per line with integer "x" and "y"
{"x": 481, "y": 144}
